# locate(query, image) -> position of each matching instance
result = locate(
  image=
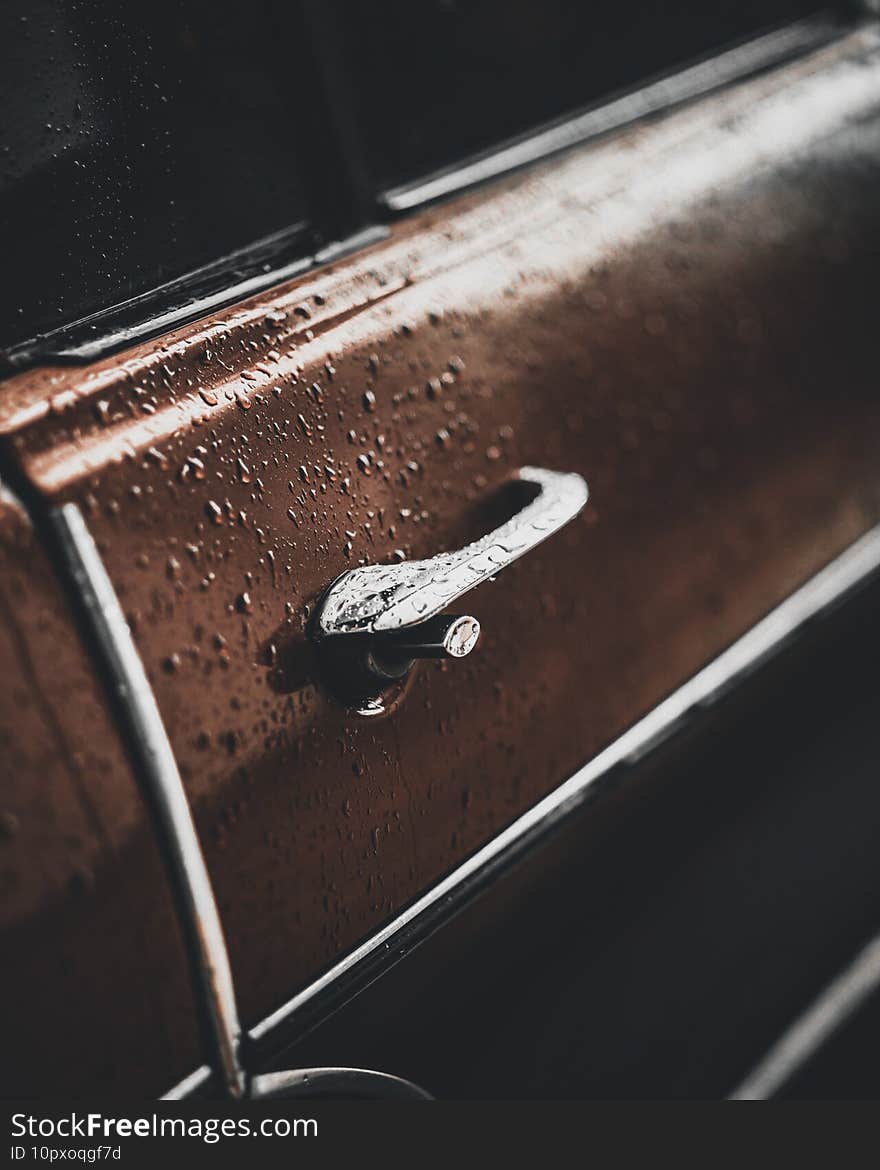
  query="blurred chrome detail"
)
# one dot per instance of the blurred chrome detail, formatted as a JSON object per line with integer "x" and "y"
{"x": 810, "y": 1032}
{"x": 349, "y": 1083}
{"x": 721, "y": 69}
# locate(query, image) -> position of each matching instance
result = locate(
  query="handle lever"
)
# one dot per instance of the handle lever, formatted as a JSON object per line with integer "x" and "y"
{"x": 376, "y": 620}
{"x": 438, "y": 637}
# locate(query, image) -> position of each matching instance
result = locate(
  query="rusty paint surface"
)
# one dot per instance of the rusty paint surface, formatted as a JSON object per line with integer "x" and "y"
{"x": 683, "y": 315}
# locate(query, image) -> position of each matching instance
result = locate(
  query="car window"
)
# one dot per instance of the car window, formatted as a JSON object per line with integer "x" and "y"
{"x": 139, "y": 143}
{"x": 144, "y": 143}
{"x": 436, "y": 80}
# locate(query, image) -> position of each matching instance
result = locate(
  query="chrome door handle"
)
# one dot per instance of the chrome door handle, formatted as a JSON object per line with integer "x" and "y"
{"x": 376, "y": 620}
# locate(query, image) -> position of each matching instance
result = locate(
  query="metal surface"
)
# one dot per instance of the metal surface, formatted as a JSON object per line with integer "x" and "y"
{"x": 154, "y": 761}
{"x": 812, "y": 1030}
{"x": 265, "y": 263}
{"x": 81, "y": 873}
{"x": 374, "y": 622}
{"x": 682, "y": 313}
{"x": 440, "y": 637}
{"x": 156, "y": 767}
{"x": 849, "y": 572}
{"x": 381, "y": 598}
{"x": 348, "y": 1083}
{"x": 657, "y": 941}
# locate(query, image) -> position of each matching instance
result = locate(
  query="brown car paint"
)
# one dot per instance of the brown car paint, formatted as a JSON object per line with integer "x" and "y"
{"x": 682, "y": 314}
{"x": 93, "y": 977}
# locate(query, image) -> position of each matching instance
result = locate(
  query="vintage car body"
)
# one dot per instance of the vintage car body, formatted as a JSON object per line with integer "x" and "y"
{"x": 681, "y": 312}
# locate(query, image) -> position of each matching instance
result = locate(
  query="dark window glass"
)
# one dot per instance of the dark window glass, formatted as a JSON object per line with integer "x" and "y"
{"x": 139, "y": 142}
{"x": 436, "y": 80}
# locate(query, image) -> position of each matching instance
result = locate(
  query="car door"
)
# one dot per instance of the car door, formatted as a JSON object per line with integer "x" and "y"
{"x": 666, "y": 296}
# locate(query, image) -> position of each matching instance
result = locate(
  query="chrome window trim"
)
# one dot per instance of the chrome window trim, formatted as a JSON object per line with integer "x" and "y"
{"x": 109, "y": 330}
{"x": 672, "y": 90}
{"x": 105, "y": 331}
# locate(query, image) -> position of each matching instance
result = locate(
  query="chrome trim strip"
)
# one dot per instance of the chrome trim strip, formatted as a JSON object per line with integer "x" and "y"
{"x": 835, "y": 1005}
{"x": 69, "y": 343}
{"x": 197, "y": 1080}
{"x": 364, "y": 1083}
{"x": 157, "y": 772}
{"x": 711, "y": 74}
{"x": 852, "y": 569}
